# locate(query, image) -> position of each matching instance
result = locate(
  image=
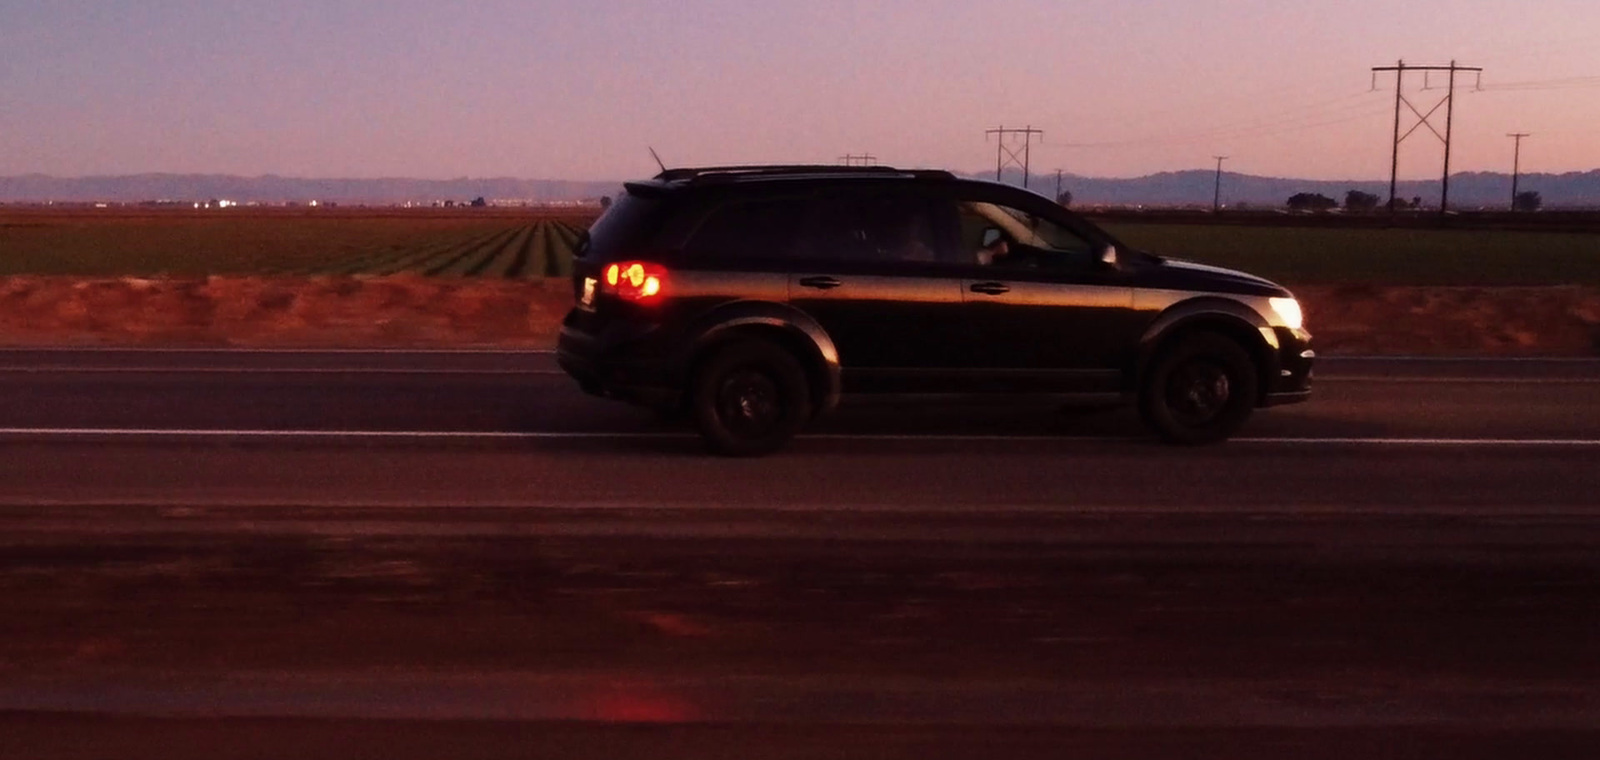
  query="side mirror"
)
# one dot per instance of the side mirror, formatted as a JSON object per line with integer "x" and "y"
{"x": 1108, "y": 256}
{"x": 991, "y": 235}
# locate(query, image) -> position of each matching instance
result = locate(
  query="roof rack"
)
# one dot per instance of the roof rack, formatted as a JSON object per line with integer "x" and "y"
{"x": 726, "y": 173}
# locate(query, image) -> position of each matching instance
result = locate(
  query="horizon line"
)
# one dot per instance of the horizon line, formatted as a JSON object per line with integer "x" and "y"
{"x": 965, "y": 175}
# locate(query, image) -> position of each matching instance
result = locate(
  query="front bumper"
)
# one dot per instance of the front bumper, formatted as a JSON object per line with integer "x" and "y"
{"x": 1295, "y": 360}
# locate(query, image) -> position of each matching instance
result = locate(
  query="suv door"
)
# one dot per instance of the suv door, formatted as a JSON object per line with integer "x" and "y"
{"x": 1048, "y": 314}
{"x": 875, "y": 272}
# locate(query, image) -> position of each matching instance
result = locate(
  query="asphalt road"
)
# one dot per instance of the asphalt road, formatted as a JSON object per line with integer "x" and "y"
{"x": 322, "y": 549}
{"x": 408, "y": 429}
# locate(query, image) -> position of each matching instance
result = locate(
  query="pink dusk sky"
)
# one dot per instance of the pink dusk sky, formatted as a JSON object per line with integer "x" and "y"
{"x": 578, "y": 90}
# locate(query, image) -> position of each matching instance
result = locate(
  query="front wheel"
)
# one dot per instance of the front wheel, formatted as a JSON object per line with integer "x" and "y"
{"x": 750, "y": 398}
{"x": 1201, "y": 391}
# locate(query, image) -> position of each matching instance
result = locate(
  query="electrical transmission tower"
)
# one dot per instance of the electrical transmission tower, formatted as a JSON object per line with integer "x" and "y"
{"x": 1423, "y": 119}
{"x": 1516, "y": 165}
{"x": 1008, "y": 155}
{"x": 864, "y": 159}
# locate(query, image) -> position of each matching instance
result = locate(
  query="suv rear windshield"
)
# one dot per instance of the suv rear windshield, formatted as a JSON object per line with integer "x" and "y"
{"x": 629, "y": 225}
{"x": 750, "y": 230}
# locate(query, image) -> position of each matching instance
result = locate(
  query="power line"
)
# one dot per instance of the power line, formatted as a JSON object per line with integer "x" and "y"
{"x": 1423, "y": 119}
{"x": 1565, "y": 83}
{"x": 1261, "y": 127}
{"x": 1005, "y": 156}
{"x": 1204, "y": 103}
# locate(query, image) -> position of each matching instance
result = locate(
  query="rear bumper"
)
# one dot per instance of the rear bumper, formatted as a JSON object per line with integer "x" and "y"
{"x": 617, "y": 363}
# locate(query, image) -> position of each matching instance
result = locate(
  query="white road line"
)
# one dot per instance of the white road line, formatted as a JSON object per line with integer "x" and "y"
{"x": 269, "y": 371}
{"x": 491, "y": 351}
{"x": 1462, "y": 359}
{"x": 401, "y": 371}
{"x": 1456, "y": 380}
{"x": 379, "y": 434}
{"x": 275, "y": 351}
{"x": 1535, "y": 442}
{"x": 203, "y": 505}
{"x": 906, "y": 438}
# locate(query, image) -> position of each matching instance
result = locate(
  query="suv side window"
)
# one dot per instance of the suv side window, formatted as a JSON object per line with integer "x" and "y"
{"x": 874, "y": 228}
{"x": 1001, "y": 236}
{"x": 763, "y": 230}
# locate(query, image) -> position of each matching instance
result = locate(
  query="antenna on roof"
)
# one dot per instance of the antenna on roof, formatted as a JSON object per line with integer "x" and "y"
{"x": 658, "y": 160}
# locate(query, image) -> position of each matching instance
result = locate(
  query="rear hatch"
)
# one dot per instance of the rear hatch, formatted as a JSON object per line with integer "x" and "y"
{"x": 622, "y": 234}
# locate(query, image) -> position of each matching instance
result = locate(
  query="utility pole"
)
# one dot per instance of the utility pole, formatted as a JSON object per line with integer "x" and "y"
{"x": 1008, "y": 156}
{"x": 1058, "y": 185}
{"x": 1516, "y": 165}
{"x": 1449, "y": 103}
{"x": 865, "y": 159}
{"x": 1216, "y": 194}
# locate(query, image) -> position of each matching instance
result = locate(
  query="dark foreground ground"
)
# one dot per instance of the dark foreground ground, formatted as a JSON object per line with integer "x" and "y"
{"x": 500, "y": 637}
{"x": 71, "y": 738}
{"x": 203, "y": 559}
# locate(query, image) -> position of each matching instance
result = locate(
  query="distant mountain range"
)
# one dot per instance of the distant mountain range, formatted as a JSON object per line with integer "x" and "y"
{"x": 1468, "y": 190}
{"x": 1184, "y": 188}
{"x": 136, "y": 188}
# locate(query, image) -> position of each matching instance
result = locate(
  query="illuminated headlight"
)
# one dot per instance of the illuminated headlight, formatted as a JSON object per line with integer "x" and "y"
{"x": 1288, "y": 310}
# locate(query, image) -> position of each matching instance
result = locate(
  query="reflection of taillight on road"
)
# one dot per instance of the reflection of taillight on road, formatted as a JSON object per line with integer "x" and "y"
{"x": 635, "y": 280}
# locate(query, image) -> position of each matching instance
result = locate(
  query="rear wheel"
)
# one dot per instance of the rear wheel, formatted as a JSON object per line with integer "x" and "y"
{"x": 1200, "y": 391}
{"x": 750, "y": 398}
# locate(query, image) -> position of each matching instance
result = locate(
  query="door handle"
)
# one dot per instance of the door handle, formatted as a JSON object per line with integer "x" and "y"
{"x": 990, "y": 288}
{"x": 822, "y": 282}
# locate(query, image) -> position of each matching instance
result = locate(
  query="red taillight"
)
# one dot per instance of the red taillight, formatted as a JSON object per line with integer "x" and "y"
{"x": 635, "y": 280}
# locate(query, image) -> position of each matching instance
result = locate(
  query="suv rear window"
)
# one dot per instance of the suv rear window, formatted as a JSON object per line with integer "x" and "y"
{"x": 625, "y": 228}
{"x": 750, "y": 231}
{"x": 874, "y": 227}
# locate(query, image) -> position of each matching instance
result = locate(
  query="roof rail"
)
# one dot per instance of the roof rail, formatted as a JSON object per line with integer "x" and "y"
{"x": 725, "y": 173}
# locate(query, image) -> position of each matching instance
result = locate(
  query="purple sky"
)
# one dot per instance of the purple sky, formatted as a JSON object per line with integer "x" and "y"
{"x": 577, "y": 90}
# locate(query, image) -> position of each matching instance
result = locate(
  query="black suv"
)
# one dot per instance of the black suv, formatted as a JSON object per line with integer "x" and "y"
{"x": 753, "y": 297}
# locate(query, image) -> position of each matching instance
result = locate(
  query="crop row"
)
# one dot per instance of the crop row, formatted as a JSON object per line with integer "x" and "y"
{"x": 527, "y": 252}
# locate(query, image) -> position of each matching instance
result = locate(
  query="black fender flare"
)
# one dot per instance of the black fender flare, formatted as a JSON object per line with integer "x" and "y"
{"x": 1218, "y": 314}
{"x": 799, "y": 332}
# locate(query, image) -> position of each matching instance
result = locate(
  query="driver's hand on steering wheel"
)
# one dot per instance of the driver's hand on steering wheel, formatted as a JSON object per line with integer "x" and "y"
{"x": 993, "y": 252}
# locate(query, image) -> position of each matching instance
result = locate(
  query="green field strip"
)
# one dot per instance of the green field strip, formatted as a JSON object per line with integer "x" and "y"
{"x": 422, "y": 258}
{"x": 371, "y": 255}
{"x": 391, "y": 253}
{"x": 454, "y": 262}
{"x": 418, "y": 258}
{"x": 569, "y": 233}
{"x": 538, "y": 266}
{"x": 505, "y": 257}
{"x": 558, "y": 262}
{"x": 535, "y": 242}
{"x": 378, "y": 260}
{"x": 472, "y": 266}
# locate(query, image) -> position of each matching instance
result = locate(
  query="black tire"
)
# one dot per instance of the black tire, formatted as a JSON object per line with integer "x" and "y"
{"x": 750, "y": 398}
{"x": 1199, "y": 391}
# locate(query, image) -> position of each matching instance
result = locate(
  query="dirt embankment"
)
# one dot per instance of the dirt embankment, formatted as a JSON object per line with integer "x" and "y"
{"x": 391, "y": 311}
{"x": 410, "y": 310}
{"x": 1504, "y": 321}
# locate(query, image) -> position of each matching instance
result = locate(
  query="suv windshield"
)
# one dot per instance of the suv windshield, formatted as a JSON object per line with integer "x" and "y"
{"x": 1025, "y": 228}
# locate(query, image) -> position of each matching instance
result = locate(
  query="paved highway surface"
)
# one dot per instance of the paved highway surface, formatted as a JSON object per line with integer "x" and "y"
{"x": 305, "y": 547}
